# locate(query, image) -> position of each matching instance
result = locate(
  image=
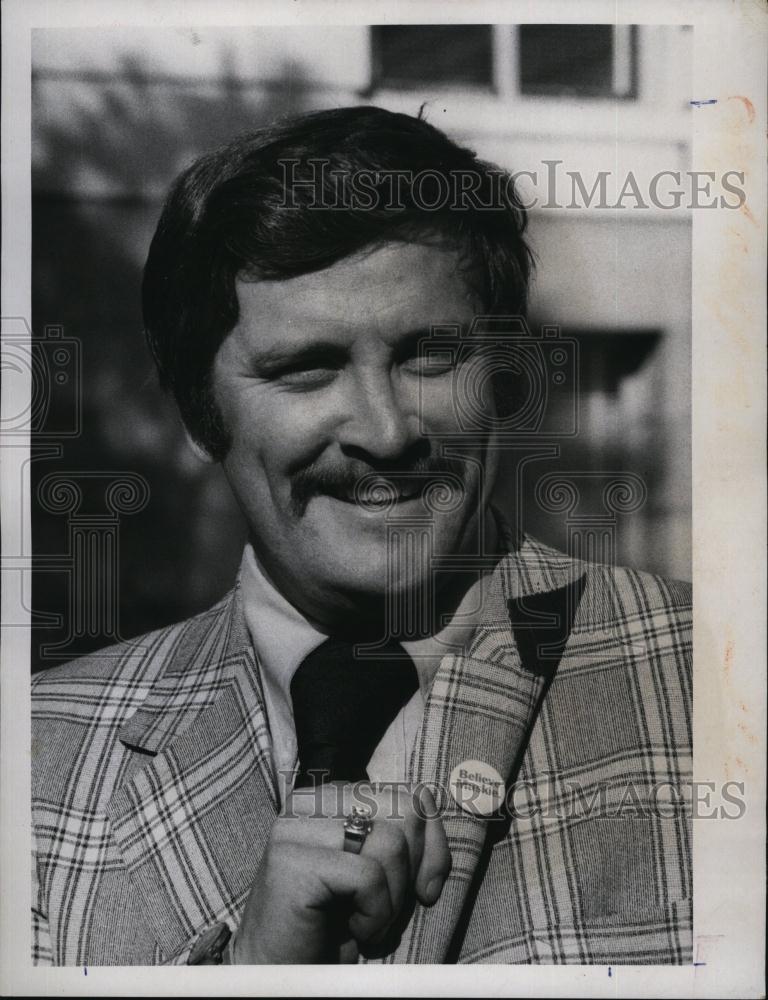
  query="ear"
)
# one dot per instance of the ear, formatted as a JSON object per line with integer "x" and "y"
{"x": 198, "y": 450}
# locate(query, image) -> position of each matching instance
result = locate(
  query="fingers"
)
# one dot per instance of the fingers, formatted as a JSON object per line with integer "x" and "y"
{"x": 407, "y": 837}
{"x": 389, "y": 846}
{"x": 318, "y": 817}
{"x": 365, "y": 882}
{"x": 291, "y": 914}
{"x": 435, "y": 863}
{"x": 310, "y": 894}
{"x": 362, "y": 880}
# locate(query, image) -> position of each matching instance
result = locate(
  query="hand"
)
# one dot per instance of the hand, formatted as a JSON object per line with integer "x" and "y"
{"x": 311, "y": 900}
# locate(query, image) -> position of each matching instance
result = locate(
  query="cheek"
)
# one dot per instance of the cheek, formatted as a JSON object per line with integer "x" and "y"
{"x": 437, "y": 407}
{"x": 465, "y": 402}
{"x": 271, "y": 439}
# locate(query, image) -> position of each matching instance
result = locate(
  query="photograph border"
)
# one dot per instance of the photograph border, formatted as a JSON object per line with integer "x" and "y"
{"x": 729, "y": 530}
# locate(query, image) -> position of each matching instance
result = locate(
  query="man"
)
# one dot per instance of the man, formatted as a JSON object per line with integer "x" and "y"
{"x": 411, "y": 733}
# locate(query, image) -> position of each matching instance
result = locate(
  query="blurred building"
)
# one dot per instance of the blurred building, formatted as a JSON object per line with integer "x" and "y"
{"x": 117, "y": 113}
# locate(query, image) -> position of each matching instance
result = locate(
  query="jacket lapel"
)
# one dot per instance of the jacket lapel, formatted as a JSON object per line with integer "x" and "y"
{"x": 195, "y": 812}
{"x": 481, "y": 708}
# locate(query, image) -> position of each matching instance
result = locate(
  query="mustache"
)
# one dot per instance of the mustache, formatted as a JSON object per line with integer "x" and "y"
{"x": 342, "y": 481}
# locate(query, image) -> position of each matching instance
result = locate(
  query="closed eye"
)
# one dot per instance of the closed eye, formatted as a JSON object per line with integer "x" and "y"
{"x": 432, "y": 363}
{"x": 420, "y": 353}
{"x": 307, "y": 367}
{"x": 307, "y": 377}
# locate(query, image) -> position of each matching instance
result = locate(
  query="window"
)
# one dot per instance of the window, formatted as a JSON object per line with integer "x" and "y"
{"x": 546, "y": 60}
{"x": 579, "y": 60}
{"x": 412, "y": 55}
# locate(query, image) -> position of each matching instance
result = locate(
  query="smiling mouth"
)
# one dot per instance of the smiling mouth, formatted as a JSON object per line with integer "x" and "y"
{"x": 380, "y": 495}
{"x": 438, "y": 490}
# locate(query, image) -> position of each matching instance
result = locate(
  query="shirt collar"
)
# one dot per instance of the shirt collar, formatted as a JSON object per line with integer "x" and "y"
{"x": 281, "y": 635}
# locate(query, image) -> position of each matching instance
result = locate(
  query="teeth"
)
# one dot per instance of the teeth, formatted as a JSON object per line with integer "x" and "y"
{"x": 381, "y": 493}
{"x": 375, "y": 501}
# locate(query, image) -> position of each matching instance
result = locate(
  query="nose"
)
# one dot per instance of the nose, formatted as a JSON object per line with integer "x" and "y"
{"x": 381, "y": 425}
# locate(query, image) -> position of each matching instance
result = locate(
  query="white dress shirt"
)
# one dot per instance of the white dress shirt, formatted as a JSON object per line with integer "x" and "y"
{"x": 282, "y": 636}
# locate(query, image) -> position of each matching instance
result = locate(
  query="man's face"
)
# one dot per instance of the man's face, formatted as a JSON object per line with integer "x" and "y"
{"x": 320, "y": 384}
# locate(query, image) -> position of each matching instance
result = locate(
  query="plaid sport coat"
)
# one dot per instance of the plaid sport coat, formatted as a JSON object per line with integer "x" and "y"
{"x": 154, "y": 793}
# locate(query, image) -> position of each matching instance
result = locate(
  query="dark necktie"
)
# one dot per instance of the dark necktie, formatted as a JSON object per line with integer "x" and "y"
{"x": 343, "y": 705}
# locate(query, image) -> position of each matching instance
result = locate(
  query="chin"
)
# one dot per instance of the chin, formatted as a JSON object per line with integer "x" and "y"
{"x": 373, "y": 581}
{"x": 374, "y": 574}
{"x": 367, "y": 561}
{"x": 397, "y": 552}
{"x": 363, "y": 605}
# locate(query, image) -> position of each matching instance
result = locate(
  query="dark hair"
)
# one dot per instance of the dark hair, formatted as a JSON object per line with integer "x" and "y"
{"x": 255, "y": 208}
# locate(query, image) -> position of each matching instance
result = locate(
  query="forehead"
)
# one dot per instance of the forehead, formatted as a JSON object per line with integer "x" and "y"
{"x": 393, "y": 288}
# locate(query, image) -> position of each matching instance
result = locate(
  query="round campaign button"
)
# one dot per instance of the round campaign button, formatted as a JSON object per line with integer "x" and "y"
{"x": 477, "y": 787}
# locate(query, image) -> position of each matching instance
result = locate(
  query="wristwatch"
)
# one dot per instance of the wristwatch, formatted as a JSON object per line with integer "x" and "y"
{"x": 213, "y": 947}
